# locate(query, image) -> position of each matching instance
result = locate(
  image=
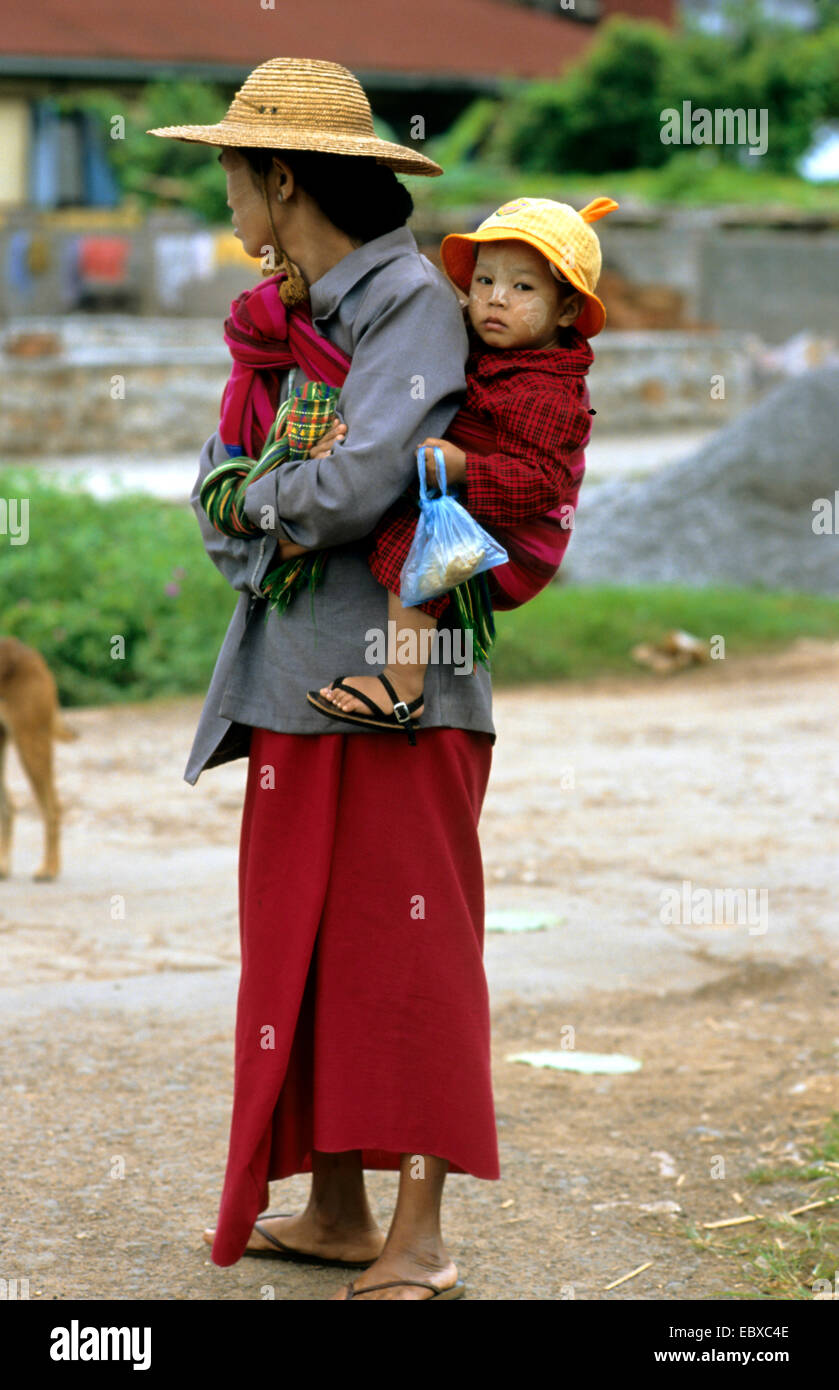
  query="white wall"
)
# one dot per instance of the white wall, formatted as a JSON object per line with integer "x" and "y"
{"x": 14, "y": 142}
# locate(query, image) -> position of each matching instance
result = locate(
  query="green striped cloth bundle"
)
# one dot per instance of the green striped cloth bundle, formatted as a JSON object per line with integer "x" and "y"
{"x": 299, "y": 423}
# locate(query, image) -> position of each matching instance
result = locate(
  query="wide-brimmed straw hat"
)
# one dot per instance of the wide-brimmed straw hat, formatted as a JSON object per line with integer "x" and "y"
{"x": 558, "y": 231}
{"x": 303, "y": 104}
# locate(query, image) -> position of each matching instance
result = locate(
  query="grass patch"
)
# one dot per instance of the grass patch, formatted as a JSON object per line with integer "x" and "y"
{"x": 683, "y": 181}
{"x": 783, "y": 1257}
{"x": 572, "y": 633}
{"x": 134, "y": 567}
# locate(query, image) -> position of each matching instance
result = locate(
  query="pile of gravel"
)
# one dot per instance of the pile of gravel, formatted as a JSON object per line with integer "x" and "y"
{"x": 738, "y": 511}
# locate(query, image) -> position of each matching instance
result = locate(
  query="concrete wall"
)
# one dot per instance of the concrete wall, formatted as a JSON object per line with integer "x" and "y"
{"x": 163, "y": 250}
{"x": 153, "y": 386}
{"x": 769, "y": 278}
{"x": 661, "y": 381}
{"x": 660, "y": 251}
{"x": 14, "y": 142}
{"x": 117, "y": 383}
{"x": 774, "y": 280}
{"x": 777, "y": 283}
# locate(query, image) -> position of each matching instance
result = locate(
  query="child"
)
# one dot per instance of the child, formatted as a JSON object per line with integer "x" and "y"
{"x": 530, "y": 271}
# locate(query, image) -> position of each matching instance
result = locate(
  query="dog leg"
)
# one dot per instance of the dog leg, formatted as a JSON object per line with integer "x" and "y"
{"x": 35, "y": 748}
{"x": 6, "y": 809}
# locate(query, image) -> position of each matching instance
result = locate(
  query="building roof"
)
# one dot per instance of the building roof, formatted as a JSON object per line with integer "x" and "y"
{"x": 435, "y": 39}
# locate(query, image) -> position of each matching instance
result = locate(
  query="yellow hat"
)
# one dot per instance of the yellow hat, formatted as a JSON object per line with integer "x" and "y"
{"x": 557, "y": 230}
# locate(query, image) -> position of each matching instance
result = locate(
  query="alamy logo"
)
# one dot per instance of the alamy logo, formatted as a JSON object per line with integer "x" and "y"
{"x": 688, "y": 906}
{"x": 75, "y": 1343}
{"x": 14, "y": 519}
{"x": 435, "y": 646}
{"x": 722, "y": 126}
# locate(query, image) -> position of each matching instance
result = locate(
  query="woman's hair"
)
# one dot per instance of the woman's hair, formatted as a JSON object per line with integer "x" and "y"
{"x": 360, "y": 197}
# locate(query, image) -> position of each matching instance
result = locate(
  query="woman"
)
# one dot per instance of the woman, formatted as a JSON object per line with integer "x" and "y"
{"x": 362, "y": 1030}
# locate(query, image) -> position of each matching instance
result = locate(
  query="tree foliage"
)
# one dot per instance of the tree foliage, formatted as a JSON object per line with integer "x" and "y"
{"x": 153, "y": 172}
{"x": 605, "y": 114}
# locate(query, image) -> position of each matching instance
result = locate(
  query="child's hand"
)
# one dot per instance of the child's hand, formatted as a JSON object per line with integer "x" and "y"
{"x": 288, "y": 549}
{"x": 323, "y": 448}
{"x": 455, "y": 462}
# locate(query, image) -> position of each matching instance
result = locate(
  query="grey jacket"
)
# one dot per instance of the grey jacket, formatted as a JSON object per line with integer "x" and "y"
{"x": 392, "y": 312}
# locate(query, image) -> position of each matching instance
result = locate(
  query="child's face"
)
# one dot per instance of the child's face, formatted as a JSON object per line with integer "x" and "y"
{"x": 514, "y": 300}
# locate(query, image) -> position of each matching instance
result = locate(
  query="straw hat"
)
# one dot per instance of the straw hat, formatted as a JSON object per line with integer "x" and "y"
{"x": 303, "y": 104}
{"x": 558, "y": 231}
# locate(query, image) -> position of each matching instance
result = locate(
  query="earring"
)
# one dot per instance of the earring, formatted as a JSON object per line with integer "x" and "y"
{"x": 280, "y": 196}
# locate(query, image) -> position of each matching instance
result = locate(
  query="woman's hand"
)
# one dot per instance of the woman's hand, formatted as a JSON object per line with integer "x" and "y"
{"x": 323, "y": 448}
{"x": 455, "y": 462}
{"x": 287, "y": 550}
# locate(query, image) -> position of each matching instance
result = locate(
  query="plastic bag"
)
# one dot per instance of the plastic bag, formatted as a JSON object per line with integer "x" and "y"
{"x": 449, "y": 546}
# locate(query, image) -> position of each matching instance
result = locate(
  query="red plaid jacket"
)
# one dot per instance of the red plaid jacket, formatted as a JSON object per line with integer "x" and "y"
{"x": 534, "y": 404}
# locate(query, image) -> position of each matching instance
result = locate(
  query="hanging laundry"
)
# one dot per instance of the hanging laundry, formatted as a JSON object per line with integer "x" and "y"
{"x": 69, "y": 275}
{"x": 69, "y": 166}
{"x": 18, "y": 273}
{"x": 228, "y": 250}
{"x": 178, "y": 258}
{"x": 39, "y": 255}
{"x": 103, "y": 261}
{"x": 43, "y": 186}
{"x": 101, "y": 188}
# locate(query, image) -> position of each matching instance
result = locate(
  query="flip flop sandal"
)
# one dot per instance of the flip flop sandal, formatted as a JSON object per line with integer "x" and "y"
{"x": 399, "y": 719}
{"x": 285, "y": 1252}
{"x": 453, "y": 1291}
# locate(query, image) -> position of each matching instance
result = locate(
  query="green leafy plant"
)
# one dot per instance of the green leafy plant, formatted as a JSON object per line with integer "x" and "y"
{"x": 157, "y": 173}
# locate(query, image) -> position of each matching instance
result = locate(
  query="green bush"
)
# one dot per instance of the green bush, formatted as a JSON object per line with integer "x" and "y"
{"x": 466, "y": 138}
{"x": 152, "y": 172}
{"x": 93, "y": 571}
{"x": 604, "y": 114}
{"x": 694, "y": 177}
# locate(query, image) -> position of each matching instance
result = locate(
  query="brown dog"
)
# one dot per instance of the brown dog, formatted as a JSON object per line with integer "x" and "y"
{"x": 29, "y": 714}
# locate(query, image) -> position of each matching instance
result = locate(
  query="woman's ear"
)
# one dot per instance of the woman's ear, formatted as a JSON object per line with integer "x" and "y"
{"x": 283, "y": 177}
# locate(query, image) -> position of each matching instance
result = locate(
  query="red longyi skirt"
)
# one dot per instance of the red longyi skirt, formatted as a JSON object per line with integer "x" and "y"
{"x": 363, "y": 1012}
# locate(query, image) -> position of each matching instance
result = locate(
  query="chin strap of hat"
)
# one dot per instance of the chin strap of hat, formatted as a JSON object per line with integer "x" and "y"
{"x": 597, "y": 209}
{"x": 293, "y": 290}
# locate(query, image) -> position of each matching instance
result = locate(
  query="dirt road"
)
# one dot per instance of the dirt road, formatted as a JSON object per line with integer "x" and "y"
{"x": 119, "y": 993}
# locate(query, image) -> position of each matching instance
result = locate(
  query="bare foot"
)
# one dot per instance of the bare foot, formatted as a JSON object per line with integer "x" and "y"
{"x": 408, "y": 687}
{"x": 394, "y": 1265}
{"x": 308, "y": 1236}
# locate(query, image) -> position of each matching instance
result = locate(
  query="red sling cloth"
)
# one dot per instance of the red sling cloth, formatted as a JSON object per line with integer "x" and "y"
{"x": 527, "y": 411}
{"x": 363, "y": 1012}
{"x": 535, "y": 547}
{"x": 265, "y": 339}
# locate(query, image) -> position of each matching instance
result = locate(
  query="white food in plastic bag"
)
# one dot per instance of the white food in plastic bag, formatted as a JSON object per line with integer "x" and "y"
{"x": 453, "y": 570}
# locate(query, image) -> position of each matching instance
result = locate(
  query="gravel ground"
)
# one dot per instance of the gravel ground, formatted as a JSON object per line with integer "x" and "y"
{"x": 118, "y": 1030}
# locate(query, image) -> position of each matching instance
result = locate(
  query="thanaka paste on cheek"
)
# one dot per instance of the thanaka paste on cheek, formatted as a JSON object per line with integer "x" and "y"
{"x": 248, "y": 207}
{"x": 535, "y": 315}
{"x": 478, "y": 306}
